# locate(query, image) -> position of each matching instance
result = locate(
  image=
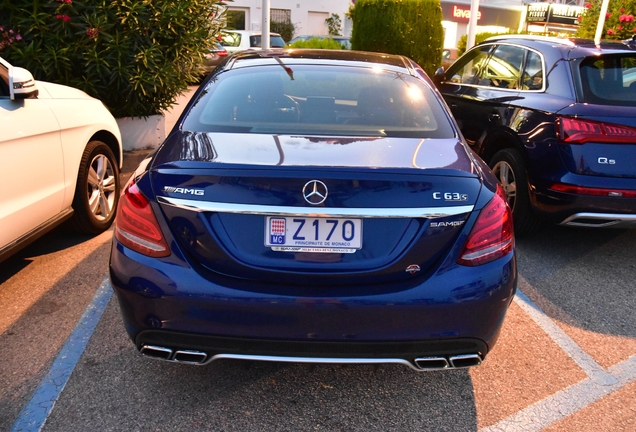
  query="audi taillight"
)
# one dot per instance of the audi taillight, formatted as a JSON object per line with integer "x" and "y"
{"x": 492, "y": 235}
{"x": 577, "y": 131}
{"x": 136, "y": 226}
{"x": 603, "y": 192}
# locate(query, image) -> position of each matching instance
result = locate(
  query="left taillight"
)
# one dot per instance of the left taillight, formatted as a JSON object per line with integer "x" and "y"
{"x": 492, "y": 235}
{"x": 136, "y": 226}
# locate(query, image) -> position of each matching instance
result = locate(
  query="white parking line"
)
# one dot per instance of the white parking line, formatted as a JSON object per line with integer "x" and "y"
{"x": 566, "y": 402}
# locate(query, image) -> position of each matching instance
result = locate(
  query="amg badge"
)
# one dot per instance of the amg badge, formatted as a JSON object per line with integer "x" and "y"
{"x": 185, "y": 191}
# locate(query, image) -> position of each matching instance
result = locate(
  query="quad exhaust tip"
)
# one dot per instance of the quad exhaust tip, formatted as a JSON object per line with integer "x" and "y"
{"x": 428, "y": 363}
{"x": 167, "y": 354}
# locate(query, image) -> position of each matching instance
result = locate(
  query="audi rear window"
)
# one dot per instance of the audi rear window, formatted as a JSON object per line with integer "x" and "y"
{"x": 609, "y": 80}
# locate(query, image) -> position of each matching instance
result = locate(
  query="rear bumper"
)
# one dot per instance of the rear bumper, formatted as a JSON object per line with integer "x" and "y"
{"x": 585, "y": 210}
{"x": 457, "y": 311}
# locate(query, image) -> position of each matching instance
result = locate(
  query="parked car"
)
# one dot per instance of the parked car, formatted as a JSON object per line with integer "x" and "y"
{"x": 344, "y": 41}
{"x": 315, "y": 206}
{"x": 60, "y": 154}
{"x": 239, "y": 40}
{"x": 556, "y": 121}
{"x": 215, "y": 56}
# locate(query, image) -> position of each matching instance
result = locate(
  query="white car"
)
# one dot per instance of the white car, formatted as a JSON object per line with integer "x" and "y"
{"x": 239, "y": 40}
{"x": 60, "y": 155}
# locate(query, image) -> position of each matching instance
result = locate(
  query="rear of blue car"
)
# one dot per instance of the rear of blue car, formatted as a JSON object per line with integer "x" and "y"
{"x": 315, "y": 212}
{"x": 596, "y": 138}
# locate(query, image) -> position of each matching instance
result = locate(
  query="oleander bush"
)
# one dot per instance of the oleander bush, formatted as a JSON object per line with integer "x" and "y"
{"x": 619, "y": 20}
{"x": 409, "y": 27}
{"x": 136, "y": 56}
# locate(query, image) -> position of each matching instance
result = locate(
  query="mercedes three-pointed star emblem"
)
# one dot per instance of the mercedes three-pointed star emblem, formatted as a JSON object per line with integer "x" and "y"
{"x": 315, "y": 192}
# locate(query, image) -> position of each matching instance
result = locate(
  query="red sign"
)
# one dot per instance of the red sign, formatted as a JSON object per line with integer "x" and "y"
{"x": 464, "y": 13}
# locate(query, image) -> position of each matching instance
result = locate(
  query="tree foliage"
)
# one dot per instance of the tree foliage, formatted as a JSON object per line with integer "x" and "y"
{"x": 409, "y": 27}
{"x": 136, "y": 56}
{"x": 285, "y": 29}
{"x": 619, "y": 20}
{"x": 334, "y": 24}
{"x": 317, "y": 43}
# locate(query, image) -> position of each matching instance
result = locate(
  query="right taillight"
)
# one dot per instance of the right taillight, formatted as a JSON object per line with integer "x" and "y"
{"x": 577, "y": 131}
{"x": 136, "y": 226}
{"x": 492, "y": 235}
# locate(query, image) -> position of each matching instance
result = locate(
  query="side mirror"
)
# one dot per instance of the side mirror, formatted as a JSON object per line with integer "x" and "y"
{"x": 439, "y": 76}
{"x": 21, "y": 84}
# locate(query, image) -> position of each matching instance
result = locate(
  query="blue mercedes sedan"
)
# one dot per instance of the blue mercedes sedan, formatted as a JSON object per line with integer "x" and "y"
{"x": 315, "y": 207}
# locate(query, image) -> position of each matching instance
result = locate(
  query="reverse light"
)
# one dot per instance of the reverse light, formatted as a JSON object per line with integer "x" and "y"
{"x": 576, "y": 131}
{"x": 492, "y": 235}
{"x": 580, "y": 190}
{"x": 136, "y": 226}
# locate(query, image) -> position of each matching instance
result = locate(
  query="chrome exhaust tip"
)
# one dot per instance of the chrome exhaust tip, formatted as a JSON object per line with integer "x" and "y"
{"x": 431, "y": 363}
{"x": 190, "y": 356}
{"x": 156, "y": 352}
{"x": 465, "y": 360}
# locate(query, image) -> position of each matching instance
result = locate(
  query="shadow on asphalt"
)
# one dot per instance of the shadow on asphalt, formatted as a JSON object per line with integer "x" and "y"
{"x": 137, "y": 393}
{"x": 588, "y": 273}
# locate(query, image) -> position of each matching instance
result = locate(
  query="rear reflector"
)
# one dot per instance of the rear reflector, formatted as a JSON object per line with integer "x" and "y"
{"x": 580, "y": 190}
{"x": 136, "y": 226}
{"x": 576, "y": 131}
{"x": 492, "y": 236}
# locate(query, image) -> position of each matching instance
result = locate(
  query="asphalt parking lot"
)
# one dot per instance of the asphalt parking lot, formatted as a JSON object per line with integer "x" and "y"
{"x": 566, "y": 359}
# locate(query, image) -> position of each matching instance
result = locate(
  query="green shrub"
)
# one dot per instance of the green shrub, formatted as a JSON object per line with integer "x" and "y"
{"x": 285, "y": 29}
{"x": 317, "y": 43}
{"x": 479, "y": 37}
{"x": 136, "y": 56}
{"x": 619, "y": 21}
{"x": 409, "y": 27}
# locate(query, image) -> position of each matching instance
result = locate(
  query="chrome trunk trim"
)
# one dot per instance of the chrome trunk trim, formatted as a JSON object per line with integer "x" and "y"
{"x": 405, "y": 212}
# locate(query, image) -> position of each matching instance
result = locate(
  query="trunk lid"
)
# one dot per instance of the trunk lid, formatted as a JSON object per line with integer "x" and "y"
{"x": 225, "y": 196}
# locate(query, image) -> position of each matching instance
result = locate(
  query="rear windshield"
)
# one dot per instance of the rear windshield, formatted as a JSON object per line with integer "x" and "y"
{"x": 609, "y": 80}
{"x": 319, "y": 100}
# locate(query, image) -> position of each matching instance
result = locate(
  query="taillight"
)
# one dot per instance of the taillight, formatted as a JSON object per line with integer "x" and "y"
{"x": 581, "y": 190}
{"x": 492, "y": 236}
{"x": 136, "y": 226}
{"x": 222, "y": 53}
{"x": 576, "y": 131}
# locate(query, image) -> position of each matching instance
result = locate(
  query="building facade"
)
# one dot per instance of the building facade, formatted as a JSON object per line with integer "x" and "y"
{"x": 308, "y": 16}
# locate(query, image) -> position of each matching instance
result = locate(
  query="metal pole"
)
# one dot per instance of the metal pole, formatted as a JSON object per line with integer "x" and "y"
{"x": 472, "y": 24}
{"x": 265, "y": 25}
{"x": 601, "y": 22}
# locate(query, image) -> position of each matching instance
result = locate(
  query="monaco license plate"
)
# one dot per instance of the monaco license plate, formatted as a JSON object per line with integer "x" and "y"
{"x": 307, "y": 234}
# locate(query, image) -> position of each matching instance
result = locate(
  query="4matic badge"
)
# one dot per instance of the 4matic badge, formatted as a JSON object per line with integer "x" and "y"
{"x": 184, "y": 191}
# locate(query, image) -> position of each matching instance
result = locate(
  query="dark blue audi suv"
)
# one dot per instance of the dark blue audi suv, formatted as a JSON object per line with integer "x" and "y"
{"x": 319, "y": 207}
{"x": 556, "y": 121}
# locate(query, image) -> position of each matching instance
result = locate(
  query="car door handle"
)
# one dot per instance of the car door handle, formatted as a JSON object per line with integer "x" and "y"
{"x": 453, "y": 105}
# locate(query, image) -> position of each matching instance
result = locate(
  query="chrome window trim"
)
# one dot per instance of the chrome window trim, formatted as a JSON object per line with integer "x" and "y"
{"x": 543, "y": 87}
{"x": 265, "y": 210}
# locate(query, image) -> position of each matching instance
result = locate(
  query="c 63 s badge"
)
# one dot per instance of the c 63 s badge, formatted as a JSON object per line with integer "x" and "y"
{"x": 450, "y": 196}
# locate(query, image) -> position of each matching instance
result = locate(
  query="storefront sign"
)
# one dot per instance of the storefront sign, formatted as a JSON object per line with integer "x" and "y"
{"x": 461, "y": 13}
{"x": 553, "y": 13}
